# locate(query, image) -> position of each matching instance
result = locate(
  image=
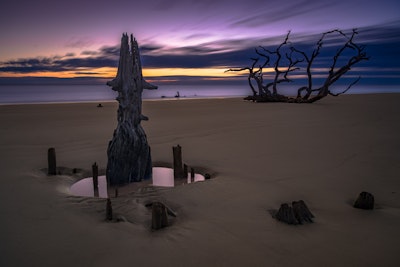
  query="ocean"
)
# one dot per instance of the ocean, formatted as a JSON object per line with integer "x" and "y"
{"x": 24, "y": 94}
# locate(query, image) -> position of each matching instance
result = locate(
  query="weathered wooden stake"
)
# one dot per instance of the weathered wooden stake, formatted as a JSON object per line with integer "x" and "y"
{"x": 51, "y": 158}
{"x": 109, "y": 213}
{"x": 95, "y": 175}
{"x": 185, "y": 170}
{"x": 159, "y": 216}
{"x": 116, "y": 192}
{"x": 192, "y": 174}
{"x": 178, "y": 168}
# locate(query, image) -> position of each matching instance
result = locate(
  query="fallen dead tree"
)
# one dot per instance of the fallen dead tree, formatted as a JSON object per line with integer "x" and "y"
{"x": 272, "y": 68}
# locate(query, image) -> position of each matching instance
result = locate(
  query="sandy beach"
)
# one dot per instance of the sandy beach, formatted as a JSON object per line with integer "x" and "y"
{"x": 259, "y": 155}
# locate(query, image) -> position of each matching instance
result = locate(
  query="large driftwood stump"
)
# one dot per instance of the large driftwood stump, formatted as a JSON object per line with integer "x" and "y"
{"x": 365, "y": 201}
{"x": 129, "y": 157}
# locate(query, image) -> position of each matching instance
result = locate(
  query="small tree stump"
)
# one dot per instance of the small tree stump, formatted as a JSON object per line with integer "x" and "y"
{"x": 95, "y": 175}
{"x": 159, "y": 216}
{"x": 109, "y": 213}
{"x": 364, "y": 201}
{"x": 286, "y": 214}
{"x": 51, "y": 159}
{"x": 301, "y": 212}
{"x": 297, "y": 214}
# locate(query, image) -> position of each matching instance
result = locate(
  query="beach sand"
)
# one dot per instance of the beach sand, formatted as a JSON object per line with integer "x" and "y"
{"x": 259, "y": 155}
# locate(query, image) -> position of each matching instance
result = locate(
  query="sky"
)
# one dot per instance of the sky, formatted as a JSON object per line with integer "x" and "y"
{"x": 183, "y": 41}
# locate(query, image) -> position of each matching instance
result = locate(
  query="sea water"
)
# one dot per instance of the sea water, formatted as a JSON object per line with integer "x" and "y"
{"x": 88, "y": 93}
{"x": 12, "y": 94}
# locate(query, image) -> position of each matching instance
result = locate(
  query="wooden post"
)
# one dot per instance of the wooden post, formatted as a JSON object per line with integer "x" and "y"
{"x": 178, "y": 169}
{"x": 116, "y": 192}
{"x": 192, "y": 174}
{"x": 185, "y": 170}
{"x": 109, "y": 213}
{"x": 159, "y": 216}
{"x": 51, "y": 158}
{"x": 95, "y": 175}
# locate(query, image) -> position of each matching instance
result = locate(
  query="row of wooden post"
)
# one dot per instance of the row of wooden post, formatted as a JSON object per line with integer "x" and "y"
{"x": 180, "y": 169}
{"x": 159, "y": 214}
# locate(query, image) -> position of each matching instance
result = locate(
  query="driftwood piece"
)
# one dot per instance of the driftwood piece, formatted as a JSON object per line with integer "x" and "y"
{"x": 129, "y": 157}
{"x": 51, "y": 159}
{"x": 109, "y": 212}
{"x": 177, "y": 162}
{"x": 159, "y": 216}
{"x": 95, "y": 175}
{"x": 365, "y": 201}
{"x": 298, "y": 213}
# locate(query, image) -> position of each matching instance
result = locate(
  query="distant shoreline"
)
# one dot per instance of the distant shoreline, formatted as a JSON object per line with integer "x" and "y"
{"x": 164, "y": 99}
{"x": 21, "y": 95}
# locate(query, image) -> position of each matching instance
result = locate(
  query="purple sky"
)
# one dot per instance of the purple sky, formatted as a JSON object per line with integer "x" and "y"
{"x": 218, "y": 30}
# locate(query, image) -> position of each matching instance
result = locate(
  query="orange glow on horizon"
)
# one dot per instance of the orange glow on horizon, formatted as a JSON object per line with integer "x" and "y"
{"x": 198, "y": 72}
{"x": 108, "y": 72}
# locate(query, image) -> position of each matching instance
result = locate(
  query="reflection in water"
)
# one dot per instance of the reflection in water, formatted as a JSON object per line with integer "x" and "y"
{"x": 85, "y": 188}
{"x": 161, "y": 177}
{"x": 165, "y": 177}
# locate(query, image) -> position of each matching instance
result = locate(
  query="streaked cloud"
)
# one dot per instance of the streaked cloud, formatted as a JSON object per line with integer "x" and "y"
{"x": 208, "y": 59}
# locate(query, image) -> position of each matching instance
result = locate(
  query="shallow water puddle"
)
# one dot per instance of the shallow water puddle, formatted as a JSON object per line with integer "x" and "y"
{"x": 161, "y": 177}
{"x": 85, "y": 187}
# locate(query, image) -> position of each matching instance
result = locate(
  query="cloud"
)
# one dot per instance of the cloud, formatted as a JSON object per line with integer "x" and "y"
{"x": 79, "y": 42}
{"x": 89, "y": 73}
{"x": 89, "y": 53}
{"x": 56, "y": 64}
{"x": 381, "y": 44}
{"x": 275, "y": 12}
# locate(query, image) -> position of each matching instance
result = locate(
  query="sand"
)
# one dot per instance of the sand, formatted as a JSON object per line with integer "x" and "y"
{"x": 260, "y": 155}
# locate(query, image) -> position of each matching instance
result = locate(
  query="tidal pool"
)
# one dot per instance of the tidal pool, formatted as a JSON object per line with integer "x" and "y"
{"x": 162, "y": 176}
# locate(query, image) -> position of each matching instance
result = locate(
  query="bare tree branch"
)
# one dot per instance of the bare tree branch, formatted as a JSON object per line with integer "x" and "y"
{"x": 287, "y": 59}
{"x": 344, "y": 91}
